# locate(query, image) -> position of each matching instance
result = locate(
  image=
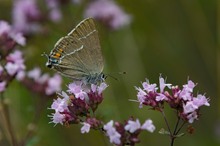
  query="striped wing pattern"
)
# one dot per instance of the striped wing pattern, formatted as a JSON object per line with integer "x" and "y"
{"x": 80, "y": 52}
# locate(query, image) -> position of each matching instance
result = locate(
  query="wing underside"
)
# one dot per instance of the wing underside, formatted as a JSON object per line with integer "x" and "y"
{"x": 81, "y": 54}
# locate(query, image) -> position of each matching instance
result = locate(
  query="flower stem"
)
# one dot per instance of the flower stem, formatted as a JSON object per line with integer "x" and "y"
{"x": 7, "y": 122}
{"x": 165, "y": 119}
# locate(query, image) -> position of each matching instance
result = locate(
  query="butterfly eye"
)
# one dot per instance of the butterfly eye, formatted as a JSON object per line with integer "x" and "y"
{"x": 49, "y": 65}
{"x": 103, "y": 76}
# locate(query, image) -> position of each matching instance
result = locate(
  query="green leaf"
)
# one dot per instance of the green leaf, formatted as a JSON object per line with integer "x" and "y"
{"x": 163, "y": 131}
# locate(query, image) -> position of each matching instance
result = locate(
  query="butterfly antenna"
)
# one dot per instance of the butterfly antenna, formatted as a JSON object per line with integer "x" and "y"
{"x": 120, "y": 73}
{"x": 44, "y": 54}
{"x": 112, "y": 77}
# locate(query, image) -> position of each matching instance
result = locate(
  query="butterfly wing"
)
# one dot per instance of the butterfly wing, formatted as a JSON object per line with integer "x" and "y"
{"x": 87, "y": 33}
{"x": 80, "y": 52}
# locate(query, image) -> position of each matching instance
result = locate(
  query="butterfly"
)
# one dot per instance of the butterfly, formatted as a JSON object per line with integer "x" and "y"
{"x": 78, "y": 54}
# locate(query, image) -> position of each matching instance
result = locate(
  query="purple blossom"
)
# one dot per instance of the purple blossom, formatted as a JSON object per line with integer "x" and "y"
{"x": 77, "y": 90}
{"x": 34, "y": 73}
{"x": 54, "y": 10}
{"x": 200, "y": 100}
{"x": 189, "y": 107}
{"x": 112, "y": 133}
{"x": 18, "y": 38}
{"x": 108, "y": 12}
{"x": 16, "y": 57}
{"x": 15, "y": 63}
{"x": 54, "y": 84}
{"x": 12, "y": 68}
{"x": 161, "y": 97}
{"x": 182, "y": 100}
{"x": 141, "y": 96}
{"x": 149, "y": 87}
{"x": 43, "y": 78}
{"x": 99, "y": 88}
{"x": 189, "y": 86}
{"x": 1, "y": 70}
{"x": 5, "y": 28}
{"x": 85, "y": 128}
{"x": 60, "y": 105}
{"x": 57, "y": 118}
{"x": 25, "y": 15}
{"x": 20, "y": 75}
{"x": 192, "y": 116}
{"x": 148, "y": 125}
{"x": 2, "y": 86}
{"x": 185, "y": 94}
{"x": 132, "y": 126}
{"x": 163, "y": 84}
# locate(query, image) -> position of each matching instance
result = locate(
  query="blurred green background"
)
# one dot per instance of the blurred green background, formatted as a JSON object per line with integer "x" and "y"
{"x": 179, "y": 39}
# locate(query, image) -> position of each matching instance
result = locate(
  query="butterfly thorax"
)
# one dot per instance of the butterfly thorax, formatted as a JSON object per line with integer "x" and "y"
{"x": 95, "y": 78}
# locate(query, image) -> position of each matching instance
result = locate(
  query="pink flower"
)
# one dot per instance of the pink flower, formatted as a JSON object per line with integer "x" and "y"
{"x": 12, "y": 68}
{"x": 191, "y": 117}
{"x": 15, "y": 63}
{"x": 43, "y": 78}
{"x": 77, "y": 90}
{"x": 141, "y": 96}
{"x": 132, "y": 126}
{"x": 25, "y": 15}
{"x": 34, "y": 73}
{"x": 2, "y": 86}
{"x": 200, "y": 100}
{"x": 161, "y": 97}
{"x": 112, "y": 133}
{"x": 185, "y": 94}
{"x": 108, "y": 12}
{"x": 57, "y": 118}
{"x": 163, "y": 84}
{"x": 85, "y": 128}
{"x": 20, "y": 75}
{"x": 99, "y": 88}
{"x": 1, "y": 70}
{"x": 54, "y": 13}
{"x": 15, "y": 57}
{"x": 60, "y": 105}
{"x": 18, "y": 38}
{"x": 149, "y": 87}
{"x": 5, "y": 28}
{"x": 54, "y": 84}
{"x": 189, "y": 86}
{"x": 148, "y": 125}
{"x": 189, "y": 107}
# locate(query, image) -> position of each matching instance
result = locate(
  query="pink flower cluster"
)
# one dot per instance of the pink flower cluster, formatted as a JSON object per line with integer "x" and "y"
{"x": 42, "y": 83}
{"x": 9, "y": 36}
{"x": 78, "y": 102}
{"x": 77, "y": 106}
{"x": 108, "y": 12}
{"x": 183, "y": 100}
{"x": 25, "y": 16}
{"x": 127, "y": 133}
{"x": 13, "y": 61}
{"x": 14, "y": 66}
{"x": 118, "y": 133}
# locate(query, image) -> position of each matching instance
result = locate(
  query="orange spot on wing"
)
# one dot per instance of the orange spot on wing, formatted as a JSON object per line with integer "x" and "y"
{"x": 54, "y": 56}
{"x": 60, "y": 50}
{"x": 58, "y": 54}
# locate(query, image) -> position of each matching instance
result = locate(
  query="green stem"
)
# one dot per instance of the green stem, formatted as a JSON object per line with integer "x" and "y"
{"x": 7, "y": 121}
